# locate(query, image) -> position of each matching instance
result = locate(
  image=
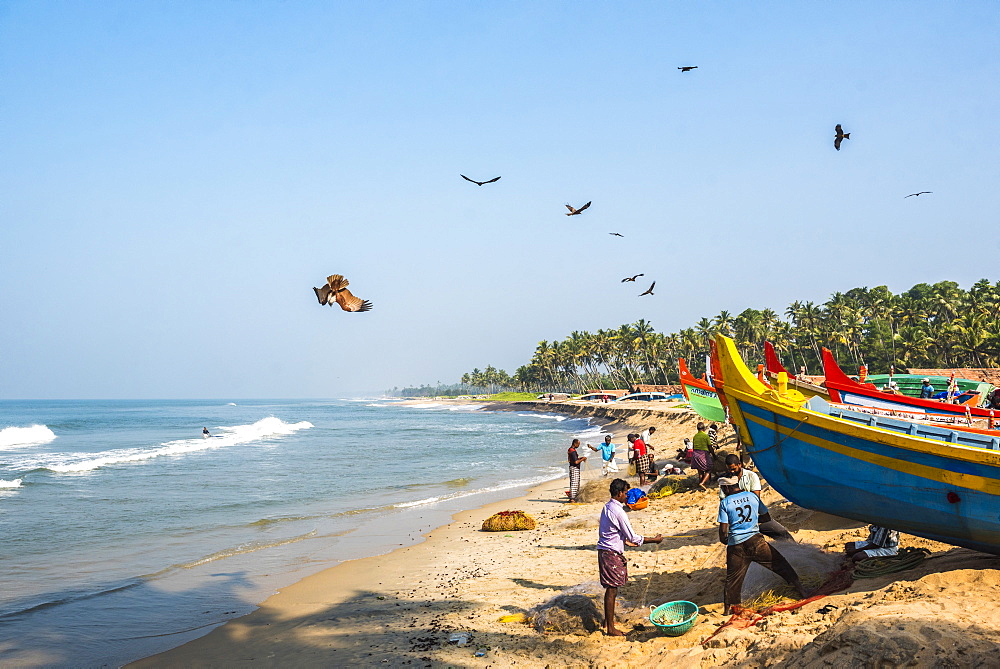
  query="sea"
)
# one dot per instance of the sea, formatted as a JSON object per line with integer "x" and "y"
{"x": 125, "y": 532}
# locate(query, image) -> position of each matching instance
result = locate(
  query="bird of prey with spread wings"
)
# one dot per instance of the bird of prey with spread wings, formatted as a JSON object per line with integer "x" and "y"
{"x": 335, "y": 291}
{"x": 840, "y": 136}
{"x": 632, "y": 278}
{"x": 923, "y": 192}
{"x": 688, "y": 68}
{"x": 616, "y": 234}
{"x": 479, "y": 183}
{"x": 649, "y": 291}
{"x": 576, "y": 212}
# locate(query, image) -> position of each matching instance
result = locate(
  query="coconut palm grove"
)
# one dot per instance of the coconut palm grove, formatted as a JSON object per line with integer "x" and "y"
{"x": 929, "y": 325}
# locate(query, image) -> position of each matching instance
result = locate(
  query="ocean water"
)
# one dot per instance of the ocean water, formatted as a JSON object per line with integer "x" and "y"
{"x": 125, "y": 532}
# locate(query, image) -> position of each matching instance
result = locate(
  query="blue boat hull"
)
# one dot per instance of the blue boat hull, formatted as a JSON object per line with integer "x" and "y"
{"x": 906, "y": 477}
{"x": 848, "y": 476}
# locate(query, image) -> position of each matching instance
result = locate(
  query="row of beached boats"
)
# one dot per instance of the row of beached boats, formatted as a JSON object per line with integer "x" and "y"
{"x": 846, "y": 447}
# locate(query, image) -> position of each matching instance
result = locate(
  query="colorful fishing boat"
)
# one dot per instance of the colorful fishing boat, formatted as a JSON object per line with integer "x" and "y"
{"x": 846, "y": 390}
{"x": 926, "y": 480}
{"x": 907, "y": 384}
{"x": 774, "y": 367}
{"x": 911, "y": 384}
{"x": 701, "y": 394}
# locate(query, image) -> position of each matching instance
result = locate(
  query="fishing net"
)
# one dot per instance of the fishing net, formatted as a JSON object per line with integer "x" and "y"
{"x": 748, "y": 616}
{"x": 509, "y": 521}
{"x": 669, "y": 486}
{"x": 568, "y": 614}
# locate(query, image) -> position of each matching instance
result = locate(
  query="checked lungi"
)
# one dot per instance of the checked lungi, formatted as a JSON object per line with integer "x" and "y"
{"x": 644, "y": 464}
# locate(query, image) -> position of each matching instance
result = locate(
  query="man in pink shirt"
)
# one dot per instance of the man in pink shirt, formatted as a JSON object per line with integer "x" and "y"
{"x": 614, "y": 533}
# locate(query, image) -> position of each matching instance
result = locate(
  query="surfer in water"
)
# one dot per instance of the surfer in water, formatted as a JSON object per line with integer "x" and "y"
{"x": 204, "y": 433}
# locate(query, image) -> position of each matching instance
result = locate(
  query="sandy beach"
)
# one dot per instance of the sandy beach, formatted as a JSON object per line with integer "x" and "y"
{"x": 400, "y": 609}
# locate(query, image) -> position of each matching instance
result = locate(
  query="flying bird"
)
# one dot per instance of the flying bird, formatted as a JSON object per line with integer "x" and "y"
{"x": 616, "y": 234}
{"x": 632, "y": 278}
{"x": 649, "y": 291}
{"x": 840, "y": 136}
{"x": 575, "y": 212}
{"x": 688, "y": 68}
{"x": 335, "y": 291}
{"x": 479, "y": 183}
{"x": 923, "y": 192}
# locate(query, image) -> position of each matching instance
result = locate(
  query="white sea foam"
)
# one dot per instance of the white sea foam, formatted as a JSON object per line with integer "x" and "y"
{"x": 11, "y": 437}
{"x": 550, "y": 416}
{"x": 266, "y": 428}
{"x": 16, "y": 483}
{"x": 466, "y": 407}
{"x": 231, "y": 404}
{"x": 551, "y": 473}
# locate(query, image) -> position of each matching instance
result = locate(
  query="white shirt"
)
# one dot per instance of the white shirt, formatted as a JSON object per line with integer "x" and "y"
{"x": 645, "y": 438}
{"x": 749, "y": 481}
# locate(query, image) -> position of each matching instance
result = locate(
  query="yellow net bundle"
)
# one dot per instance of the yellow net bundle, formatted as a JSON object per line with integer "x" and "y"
{"x": 508, "y": 521}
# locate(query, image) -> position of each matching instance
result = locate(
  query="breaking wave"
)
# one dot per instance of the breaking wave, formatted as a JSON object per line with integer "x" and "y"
{"x": 266, "y": 428}
{"x": 25, "y": 436}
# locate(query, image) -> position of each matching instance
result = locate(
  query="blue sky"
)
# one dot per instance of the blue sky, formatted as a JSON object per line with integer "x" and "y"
{"x": 176, "y": 176}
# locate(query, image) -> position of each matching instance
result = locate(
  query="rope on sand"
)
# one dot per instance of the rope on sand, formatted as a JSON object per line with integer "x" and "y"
{"x": 744, "y": 617}
{"x": 908, "y": 558}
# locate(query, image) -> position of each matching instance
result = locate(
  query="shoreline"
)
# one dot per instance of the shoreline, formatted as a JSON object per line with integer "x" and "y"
{"x": 416, "y": 537}
{"x": 401, "y": 607}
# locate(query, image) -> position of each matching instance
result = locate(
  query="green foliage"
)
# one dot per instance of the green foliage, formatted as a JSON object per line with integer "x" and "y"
{"x": 929, "y": 325}
{"x": 512, "y": 397}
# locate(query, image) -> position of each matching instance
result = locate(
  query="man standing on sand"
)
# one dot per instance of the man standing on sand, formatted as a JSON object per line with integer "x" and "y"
{"x": 614, "y": 533}
{"x": 575, "y": 460}
{"x": 703, "y": 455}
{"x": 607, "y": 451}
{"x": 739, "y": 515}
{"x": 642, "y": 458}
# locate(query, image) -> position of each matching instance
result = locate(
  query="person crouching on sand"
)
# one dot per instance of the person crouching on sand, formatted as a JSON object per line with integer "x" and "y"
{"x": 614, "y": 533}
{"x": 607, "y": 451}
{"x": 575, "y": 460}
{"x": 750, "y": 482}
{"x": 740, "y": 513}
{"x": 882, "y": 542}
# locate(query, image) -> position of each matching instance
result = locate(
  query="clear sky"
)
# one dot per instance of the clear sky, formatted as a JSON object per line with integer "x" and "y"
{"x": 176, "y": 176}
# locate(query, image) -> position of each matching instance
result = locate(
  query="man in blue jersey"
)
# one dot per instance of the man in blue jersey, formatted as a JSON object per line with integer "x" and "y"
{"x": 740, "y": 515}
{"x": 607, "y": 450}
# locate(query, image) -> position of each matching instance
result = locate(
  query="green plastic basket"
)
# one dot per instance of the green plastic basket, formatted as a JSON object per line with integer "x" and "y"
{"x": 685, "y": 613}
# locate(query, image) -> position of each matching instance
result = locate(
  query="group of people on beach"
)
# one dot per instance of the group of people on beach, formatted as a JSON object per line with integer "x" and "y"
{"x": 699, "y": 451}
{"x": 743, "y": 521}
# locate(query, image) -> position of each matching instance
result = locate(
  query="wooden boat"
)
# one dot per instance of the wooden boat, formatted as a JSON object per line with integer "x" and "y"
{"x": 701, "y": 394}
{"x": 930, "y": 481}
{"x": 845, "y": 390}
{"x": 773, "y": 367}
{"x": 911, "y": 384}
{"x": 908, "y": 384}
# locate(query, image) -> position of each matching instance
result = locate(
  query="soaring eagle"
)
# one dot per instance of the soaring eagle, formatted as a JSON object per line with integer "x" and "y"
{"x": 839, "y": 136}
{"x": 335, "y": 291}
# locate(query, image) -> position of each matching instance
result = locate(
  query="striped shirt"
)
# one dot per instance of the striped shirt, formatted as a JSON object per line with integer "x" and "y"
{"x": 883, "y": 537}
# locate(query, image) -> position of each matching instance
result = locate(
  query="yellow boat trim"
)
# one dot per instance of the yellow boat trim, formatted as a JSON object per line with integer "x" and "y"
{"x": 968, "y": 481}
{"x": 887, "y": 437}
